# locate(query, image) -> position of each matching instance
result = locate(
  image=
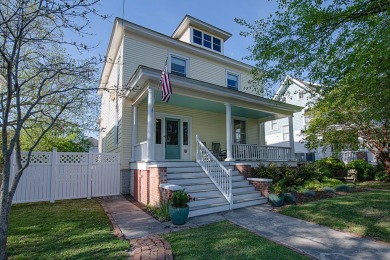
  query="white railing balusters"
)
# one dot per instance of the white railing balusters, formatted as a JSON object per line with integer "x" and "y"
{"x": 219, "y": 175}
{"x": 260, "y": 152}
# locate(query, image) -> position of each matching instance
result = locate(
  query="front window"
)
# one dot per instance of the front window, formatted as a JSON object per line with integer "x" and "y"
{"x": 206, "y": 40}
{"x": 178, "y": 66}
{"x": 239, "y": 131}
{"x": 232, "y": 81}
{"x": 285, "y": 133}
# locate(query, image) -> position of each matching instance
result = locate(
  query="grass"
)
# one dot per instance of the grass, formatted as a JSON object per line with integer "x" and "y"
{"x": 374, "y": 185}
{"x": 69, "y": 229}
{"x": 224, "y": 240}
{"x": 361, "y": 213}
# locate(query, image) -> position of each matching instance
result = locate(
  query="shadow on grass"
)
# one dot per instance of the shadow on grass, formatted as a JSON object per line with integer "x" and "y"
{"x": 363, "y": 213}
{"x": 77, "y": 229}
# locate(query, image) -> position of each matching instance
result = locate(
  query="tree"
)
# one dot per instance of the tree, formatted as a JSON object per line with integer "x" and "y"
{"x": 344, "y": 47}
{"x": 42, "y": 85}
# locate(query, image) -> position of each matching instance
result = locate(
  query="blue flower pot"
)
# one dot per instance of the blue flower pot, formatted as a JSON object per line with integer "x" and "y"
{"x": 179, "y": 216}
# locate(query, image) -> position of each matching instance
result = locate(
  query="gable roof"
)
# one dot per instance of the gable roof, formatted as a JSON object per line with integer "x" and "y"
{"x": 189, "y": 20}
{"x": 306, "y": 86}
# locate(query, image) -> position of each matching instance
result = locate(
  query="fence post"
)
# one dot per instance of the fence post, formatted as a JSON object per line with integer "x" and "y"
{"x": 54, "y": 167}
{"x": 89, "y": 179}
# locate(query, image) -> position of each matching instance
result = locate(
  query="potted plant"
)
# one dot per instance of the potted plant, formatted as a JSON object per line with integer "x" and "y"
{"x": 178, "y": 207}
{"x": 276, "y": 197}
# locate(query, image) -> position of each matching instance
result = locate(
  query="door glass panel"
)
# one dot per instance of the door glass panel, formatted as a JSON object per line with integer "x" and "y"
{"x": 185, "y": 133}
{"x": 158, "y": 131}
{"x": 172, "y": 132}
{"x": 239, "y": 132}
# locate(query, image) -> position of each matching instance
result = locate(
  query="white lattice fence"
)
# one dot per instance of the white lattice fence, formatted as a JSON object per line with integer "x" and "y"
{"x": 54, "y": 176}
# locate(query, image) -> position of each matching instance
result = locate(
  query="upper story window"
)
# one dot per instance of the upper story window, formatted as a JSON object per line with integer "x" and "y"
{"x": 283, "y": 99}
{"x": 274, "y": 125}
{"x": 232, "y": 80}
{"x": 300, "y": 95}
{"x": 179, "y": 66}
{"x": 206, "y": 40}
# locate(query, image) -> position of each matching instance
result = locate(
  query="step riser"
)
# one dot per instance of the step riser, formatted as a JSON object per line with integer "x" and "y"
{"x": 171, "y": 176}
{"x": 210, "y": 210}
{"x": 183, "y": 182}
{"x": 240, "y": 183}
{"x": 254, "y": 195}
{"x": 205, "y": 194}
{"x": 249, "y": 203}
{"x": 184, "y": 169}
{"x": 244, "y": 189}
{"x": 206, "y": 202}
{"x": 190, "y": 188}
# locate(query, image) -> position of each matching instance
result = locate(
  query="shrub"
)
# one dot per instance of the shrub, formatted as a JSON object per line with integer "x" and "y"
{"x": 330, "y": 167}
{"x": 381, "y": 176}
{"x": 365, "y": 171}
{"x": 309, "y": 193}
{"x": 161, "y": 212}
{"x": 179, "y": 199}
{"x": 271, "y": 171}
{"x": 289, "y": 198}
{"x": 329, "y": 190}
{"x": 343, "y": 187}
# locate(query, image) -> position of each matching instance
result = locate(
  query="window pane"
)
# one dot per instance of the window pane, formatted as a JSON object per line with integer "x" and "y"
{"x": 158, "y": 131}
{"x": 178, "y": 66}
{"x": 185, "y": 133}
{"x": 239, "y": 131}
{"x": 207, "y": 40}
{"x": 216, "y": 44}
{"x": 232, "y": 81}
{"x": 197, "y": 37}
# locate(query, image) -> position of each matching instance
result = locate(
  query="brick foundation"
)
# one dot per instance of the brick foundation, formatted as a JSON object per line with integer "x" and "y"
{"x": 147, "y": 185}
{"x": 157, "y": 177}
{"x": 261, "y": 185}
{"x": 244, "y": 169}
{"x": 141, "y": 186}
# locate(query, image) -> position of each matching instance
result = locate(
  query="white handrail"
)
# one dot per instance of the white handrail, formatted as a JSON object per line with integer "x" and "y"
{"x": 219, "y": 175}
{"x": 260, "y": 152}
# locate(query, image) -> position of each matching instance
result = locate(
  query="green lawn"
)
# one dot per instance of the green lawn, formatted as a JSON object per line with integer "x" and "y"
{"x": 361, "y": 213}
{"x": 374, "y": 185}
{"x": 224, "y": 240}
{"x": 71, "y": 229}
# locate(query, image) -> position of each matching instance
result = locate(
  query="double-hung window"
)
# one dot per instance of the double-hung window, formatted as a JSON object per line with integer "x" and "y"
{"x": 232, "y": 80}
{"x": 239, "y": 131}
{"x": 178, "y": 66}
{"x": 285, "y": 133}
{"x": 206, "y": 40}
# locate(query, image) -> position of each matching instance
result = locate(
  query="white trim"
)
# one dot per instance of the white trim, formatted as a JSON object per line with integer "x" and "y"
{"x": 284, "y": 132}
{"x": 234, "y": 74}
{"x": 179, "y": 56}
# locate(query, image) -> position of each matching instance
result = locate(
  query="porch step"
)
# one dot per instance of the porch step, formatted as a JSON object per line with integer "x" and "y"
{"x": 249, "y": 202}
{"x": 208, "y": 209}
{"x": 245, "y": 195}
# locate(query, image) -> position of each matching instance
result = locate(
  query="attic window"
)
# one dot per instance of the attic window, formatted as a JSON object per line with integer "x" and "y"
{"x": 206, "y": 40}
{"x": 300, "y": 95}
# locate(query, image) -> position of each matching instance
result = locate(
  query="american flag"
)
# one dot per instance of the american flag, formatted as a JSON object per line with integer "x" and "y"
{"x": 165, "y": 84}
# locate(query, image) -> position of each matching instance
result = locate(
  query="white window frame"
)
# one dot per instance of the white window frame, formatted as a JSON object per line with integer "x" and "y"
{"x": 244, "y": 119}
{"x": 274, "y": 125}
{"x": 178, "y": 56}
{"x": 285, "y": 132}
{"x": 202, "y": 45}
{"x": 234, "y": 74}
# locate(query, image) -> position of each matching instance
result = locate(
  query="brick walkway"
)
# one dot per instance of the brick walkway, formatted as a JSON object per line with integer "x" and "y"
{"x": 151, "y": 247}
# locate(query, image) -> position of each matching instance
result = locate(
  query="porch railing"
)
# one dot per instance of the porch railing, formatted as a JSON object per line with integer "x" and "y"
{"x": 260, "y": 152}
{"x": 219, "y": 175}
{"x": 141, "y": 151}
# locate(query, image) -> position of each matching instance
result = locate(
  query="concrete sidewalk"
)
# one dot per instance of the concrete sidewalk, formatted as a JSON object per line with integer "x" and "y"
{"x": 316, "y": 241}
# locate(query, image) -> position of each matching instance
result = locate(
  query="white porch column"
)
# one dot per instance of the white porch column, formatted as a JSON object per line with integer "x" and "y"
{"x": 291, "y": 136}
{"x": 150, "y": 128}
{"x": 134, "y": 136}
{"x": 229, "y": 134}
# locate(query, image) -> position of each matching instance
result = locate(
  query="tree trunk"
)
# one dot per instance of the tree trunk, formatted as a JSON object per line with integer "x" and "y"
{"x": 3, "y": 232}
{"x": 5, "y": 207}
{"x": 387, "y": 168}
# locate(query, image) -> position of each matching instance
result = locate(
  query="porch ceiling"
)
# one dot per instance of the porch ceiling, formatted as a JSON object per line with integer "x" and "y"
{"x": 211, "y": 106}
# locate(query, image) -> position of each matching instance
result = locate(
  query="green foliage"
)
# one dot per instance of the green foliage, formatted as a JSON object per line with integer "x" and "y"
{"x": 343, "y": 187}
{"x": 330, "y": 167}
{"x": 381, "y": 176}
{"x": 179, "y": 199}
{"x": 365, "y": 171}
{"x": 309, "y": 193}
{"x": 290, "y": 198}
{"x": 161, "y": 212}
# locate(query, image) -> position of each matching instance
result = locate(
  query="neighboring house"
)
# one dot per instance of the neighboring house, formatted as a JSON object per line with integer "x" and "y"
{"x": 211, "y": 98}
{"x": 301, "y": 93}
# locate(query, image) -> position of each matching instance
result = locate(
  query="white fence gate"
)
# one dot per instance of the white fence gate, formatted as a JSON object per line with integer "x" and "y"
{"x": 56, "y": 175}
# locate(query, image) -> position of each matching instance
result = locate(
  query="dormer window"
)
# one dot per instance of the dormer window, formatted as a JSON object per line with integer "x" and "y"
{"x": 206, "y": 40}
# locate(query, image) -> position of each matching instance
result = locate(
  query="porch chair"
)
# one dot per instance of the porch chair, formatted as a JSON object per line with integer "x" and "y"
{"x": 217, "y": 152}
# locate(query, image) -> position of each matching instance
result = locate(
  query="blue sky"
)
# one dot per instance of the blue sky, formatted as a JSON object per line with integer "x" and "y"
{"x": 164, "y": 16}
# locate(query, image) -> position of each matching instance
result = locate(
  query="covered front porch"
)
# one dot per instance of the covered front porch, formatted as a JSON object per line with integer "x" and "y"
{"x": 228, "y": 123}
